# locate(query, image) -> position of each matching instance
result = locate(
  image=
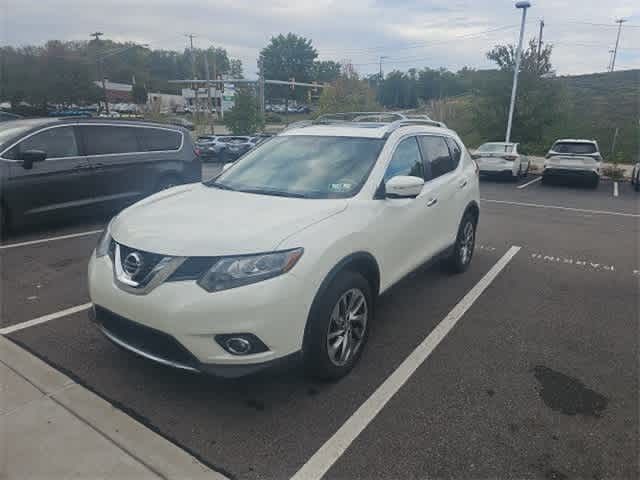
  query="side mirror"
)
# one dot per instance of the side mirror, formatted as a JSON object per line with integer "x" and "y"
{"x": 226, "y": 166}
{"x": 30, "y": 157}
{"x": 404, "y": 187}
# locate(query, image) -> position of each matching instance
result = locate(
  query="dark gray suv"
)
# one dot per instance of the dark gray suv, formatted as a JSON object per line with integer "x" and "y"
{"x": 52, "y": 166}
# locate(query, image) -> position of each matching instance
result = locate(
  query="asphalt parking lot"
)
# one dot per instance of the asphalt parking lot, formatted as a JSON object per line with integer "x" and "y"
{"x": 538, "y": 378}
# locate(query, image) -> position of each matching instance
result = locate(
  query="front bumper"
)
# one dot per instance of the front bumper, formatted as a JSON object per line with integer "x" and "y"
{"x": 176, "y": 323}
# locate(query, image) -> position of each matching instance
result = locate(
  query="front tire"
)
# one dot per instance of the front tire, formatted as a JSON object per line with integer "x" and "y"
{"x": 464, "y": 247}
{"x": 338, "y": 327}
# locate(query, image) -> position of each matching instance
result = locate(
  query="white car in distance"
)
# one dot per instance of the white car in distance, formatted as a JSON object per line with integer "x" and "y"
{"x": 501, "y": 159}
{"x": 284, "y": 253}
{"x": 573, "y": 158}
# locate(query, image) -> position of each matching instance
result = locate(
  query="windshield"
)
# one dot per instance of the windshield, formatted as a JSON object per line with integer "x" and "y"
{"x": 305, "y": 166}
{"x": 496, "y": 148}
{"x": 575, "y": 148}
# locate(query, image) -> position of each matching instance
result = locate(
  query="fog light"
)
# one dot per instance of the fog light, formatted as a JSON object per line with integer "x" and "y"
{"x": 237, "y": 346}
{"x": 241, "y": 343}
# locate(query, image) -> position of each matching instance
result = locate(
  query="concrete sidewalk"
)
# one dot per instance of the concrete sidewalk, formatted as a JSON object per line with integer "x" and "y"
{"x": 53, "y": 428}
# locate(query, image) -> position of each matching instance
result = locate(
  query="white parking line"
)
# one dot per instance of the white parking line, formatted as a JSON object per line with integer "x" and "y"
{"x": 535, "y": 180}
{"x": 615, "y": 189}
{"x": 580, "y": 210}
{"x": 333, "y": 449}
{"x": 50, "y": 239}
{"x": 44, "y": 319}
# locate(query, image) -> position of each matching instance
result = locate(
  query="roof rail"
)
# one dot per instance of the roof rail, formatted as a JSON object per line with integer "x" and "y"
{"x": 414, "y": 121}
{"x": 364, "y": 117}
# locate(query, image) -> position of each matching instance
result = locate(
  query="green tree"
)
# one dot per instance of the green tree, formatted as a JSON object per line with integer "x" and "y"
{"x": 244, "y": 118}
{"x": 505, "y": 57}
{"x": 326, "y": 71}
{"x": 288, "y": 56}
{"x": 235, "y": 68}
{"x": 348, "y": 94}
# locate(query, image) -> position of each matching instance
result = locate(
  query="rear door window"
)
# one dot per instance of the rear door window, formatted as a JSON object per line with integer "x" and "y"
{"x": 437, "y": 156}
{"x": 159, "y": 139}
{"x": 106, "y": 139}
{"x": 455, "y": 151}
{"x": 56, "y": 143}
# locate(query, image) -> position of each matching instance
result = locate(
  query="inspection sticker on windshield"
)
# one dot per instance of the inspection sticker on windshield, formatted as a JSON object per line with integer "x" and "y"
{"x": 340, "y": 187}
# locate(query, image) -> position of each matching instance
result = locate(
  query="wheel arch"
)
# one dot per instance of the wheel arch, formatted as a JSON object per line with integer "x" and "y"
{"x": 359, "y": 262}
{"x": 474, "y": 209}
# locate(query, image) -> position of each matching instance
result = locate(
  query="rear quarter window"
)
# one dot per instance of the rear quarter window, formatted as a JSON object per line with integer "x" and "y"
{"x": 159, "y": 139}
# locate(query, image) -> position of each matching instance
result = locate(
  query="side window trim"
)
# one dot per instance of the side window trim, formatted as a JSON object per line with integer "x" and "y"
{"x": 448, "y": 139}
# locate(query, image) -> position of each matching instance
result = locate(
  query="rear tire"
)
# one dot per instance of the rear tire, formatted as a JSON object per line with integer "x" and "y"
{"x": 637, "y": 185}
{"x": 595, "y": 182}
{"x": 460, "y": 258}
{"x": 331, "y": 314}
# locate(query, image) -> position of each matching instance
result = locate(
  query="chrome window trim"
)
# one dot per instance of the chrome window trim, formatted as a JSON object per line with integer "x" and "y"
{"x": 93, "y": 156}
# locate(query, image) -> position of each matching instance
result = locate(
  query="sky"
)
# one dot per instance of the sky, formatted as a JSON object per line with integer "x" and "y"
{"x": 406, "y": 33}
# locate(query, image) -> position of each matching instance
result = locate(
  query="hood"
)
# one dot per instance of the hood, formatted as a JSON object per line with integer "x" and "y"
{"x": 196, "y": 220}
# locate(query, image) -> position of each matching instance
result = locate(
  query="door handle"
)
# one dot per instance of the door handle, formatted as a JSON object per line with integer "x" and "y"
{"x": 463, "y": 184}
{"x": 432, "y": 202}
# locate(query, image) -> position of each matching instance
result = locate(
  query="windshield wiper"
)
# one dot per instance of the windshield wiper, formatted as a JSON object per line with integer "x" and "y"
{"x": 213, "y": 183}
{"x": 275, "y": 193}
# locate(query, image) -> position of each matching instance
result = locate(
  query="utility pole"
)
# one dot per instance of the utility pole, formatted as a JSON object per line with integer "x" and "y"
{"x": 610, "y": 59}
{"x": 96, "y": 36}
{"x": 191, "y": 36}
{"x": 208, "y": 77}
{"x": 620, "y": 21}
{"x": 524, "y": 5}
{"x": 540, "y": 43}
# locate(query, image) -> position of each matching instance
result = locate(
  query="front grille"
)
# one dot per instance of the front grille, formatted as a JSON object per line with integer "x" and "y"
{"x": 149, "y": 260}
{"x": 144, "y": 338}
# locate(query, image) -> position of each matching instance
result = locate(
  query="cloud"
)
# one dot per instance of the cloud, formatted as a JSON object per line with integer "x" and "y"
{"x": 411, "y": 33}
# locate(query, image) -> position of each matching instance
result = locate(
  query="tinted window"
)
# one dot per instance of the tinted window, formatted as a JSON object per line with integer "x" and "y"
{"x": 310, "y": 166}
{"x": 456, "y": 152}
{"x": 437, "y": 153}
{"x": 156, "y": 139}
{"x": 56, "y": 142}
{"x": 406, "y": 160}
{"x": 575, "y": 148}
{"x": 101, "y": 140}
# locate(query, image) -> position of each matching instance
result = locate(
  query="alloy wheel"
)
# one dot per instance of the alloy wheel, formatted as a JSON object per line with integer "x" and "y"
{"x": 347, "y": 327}
{"x": 467, "y": 243}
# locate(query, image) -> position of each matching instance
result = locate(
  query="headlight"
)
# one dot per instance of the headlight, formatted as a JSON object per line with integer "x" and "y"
{"x": 232, "y": 272}
{"x": 104, "y": 241}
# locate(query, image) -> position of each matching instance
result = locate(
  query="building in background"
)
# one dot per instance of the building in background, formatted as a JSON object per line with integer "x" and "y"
{"x": 220, "y": 100}
{"x": 117, "y": 92}
{"x": 165, "y": 102}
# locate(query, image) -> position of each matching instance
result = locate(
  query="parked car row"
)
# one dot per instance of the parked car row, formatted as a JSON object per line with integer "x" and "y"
{"x": 567, "y": 158}
{"x": 285, "y": 109}
{"x": 224, "y": 148}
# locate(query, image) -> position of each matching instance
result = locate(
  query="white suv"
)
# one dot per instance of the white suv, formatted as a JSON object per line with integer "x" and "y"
{"x": 285, "y": 252}
{"x": 573, "y": 158}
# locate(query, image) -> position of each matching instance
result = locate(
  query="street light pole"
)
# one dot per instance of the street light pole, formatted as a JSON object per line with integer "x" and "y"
{"x": 523, "y": 6}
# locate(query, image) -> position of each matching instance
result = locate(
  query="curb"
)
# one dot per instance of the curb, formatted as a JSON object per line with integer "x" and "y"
{"x": 147, "y": 447}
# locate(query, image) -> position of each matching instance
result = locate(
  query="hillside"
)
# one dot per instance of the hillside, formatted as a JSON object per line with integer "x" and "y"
{"x": 596, "y": 105}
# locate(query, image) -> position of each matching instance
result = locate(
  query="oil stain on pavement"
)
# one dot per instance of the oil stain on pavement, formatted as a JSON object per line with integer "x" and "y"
{"x": 568, "y": 395}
